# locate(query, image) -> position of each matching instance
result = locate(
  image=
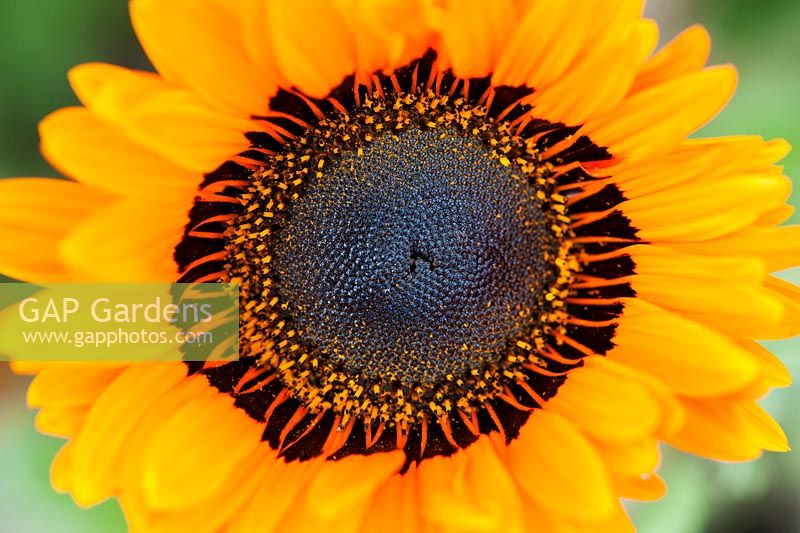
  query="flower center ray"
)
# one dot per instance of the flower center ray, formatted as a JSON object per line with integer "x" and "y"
{"x": 421, "y": 261}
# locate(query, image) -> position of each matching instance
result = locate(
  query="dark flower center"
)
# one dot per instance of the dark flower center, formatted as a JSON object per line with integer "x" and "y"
{"x": 400, "y": 259}
{"x": 420, "y": 258}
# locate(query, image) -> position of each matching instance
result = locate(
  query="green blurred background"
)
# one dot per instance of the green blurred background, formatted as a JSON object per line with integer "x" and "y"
{"x": 41, "y": 39}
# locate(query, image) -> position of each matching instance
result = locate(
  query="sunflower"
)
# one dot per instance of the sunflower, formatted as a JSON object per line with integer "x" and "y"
{"x": 483, "y": 271}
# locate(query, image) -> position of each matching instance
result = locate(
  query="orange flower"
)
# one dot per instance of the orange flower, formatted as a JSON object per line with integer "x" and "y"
{"x": 484, "y": 272}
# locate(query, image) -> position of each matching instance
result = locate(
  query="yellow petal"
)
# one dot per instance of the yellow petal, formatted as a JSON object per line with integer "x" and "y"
{"x": 84, "y": 147}
{"x": 192, "y": 453}
{"x": 61, "y": 469}
{"x": 313, "y": 46}
{"x": 725, "y": 293}
{"x": 202, "y": 48}
{"x": 164, "y": 118}
{"x": 27, "y": 368}
{"x": 474, "y": 35}
{"x": 775, "y": 216}
{"x": 695, "y": 161}
{"x": 708, "y": 210}
{"x": 104, "y": 247}
{"x": 789, "y": 295}
{"x": 657, "y": 118}
{"x": 728, "y": 431}
{"x": 763, "y": 428}
{"x": 774, "y": 372}
{"x": 606, "y": 402}
{"x": 71, "y": 384}
{"x": 61, "y": 421}
{"x": 133, "y": 457}
{"x": 471, "y": 490}
{"x": 110, "y": 423}
{"x": 654, "y": 260}
{"x": 779, "y": 247}
{"x": 35, "y": 214}
{"x": 686, "y": 53}
{"x": 212, "y": 514}
{"x": 689, "y": 358}
{"x": 631, "y": 458}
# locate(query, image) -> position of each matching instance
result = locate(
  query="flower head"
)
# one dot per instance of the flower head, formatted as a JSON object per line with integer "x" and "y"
{"x": 483, "y": 271}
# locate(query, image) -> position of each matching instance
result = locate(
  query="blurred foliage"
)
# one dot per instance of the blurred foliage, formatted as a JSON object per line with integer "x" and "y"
{"x": 28, "y": 503}
{"x": 39, "y": 41}
{"x": 761, "y": 38}
{"x": 42, "y": 39}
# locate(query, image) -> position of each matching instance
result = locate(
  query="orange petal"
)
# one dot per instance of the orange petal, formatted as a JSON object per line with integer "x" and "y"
{"x": 689, "y": 358}
{"x": 164, "y": 118}
{"x": 271, "y": 501}
{"x": 93, "y": 152}
{"x": 192, "y": 453}
{"x": 35, "y": 214}
{"x": 656, "y": 119}
{"x": 474, "y": 35}
{"x": 336, "y": 498}
{"x": 350, "y": 481}
{"x": 728, "y": 431}
{"x": 388, "y": 34}
{"x": 620, "y": 522}
{"x": 394, "y": 506}
{"x": 686, "y": 53}
{"x": 109, "y": 425}
{"x": 606, "y": 402}
{"x": 560, "y": 469}
{"x": 608, "y": 70}
{"x": 201, "y": 47}
{"x": 539, "y": 51}
{"x": 471, "y": 490}
{"x": 103, "y": 247}
{"x": 708, "y": 210}
{"x": 647, "y": 487}
{"x": 313, "y": 46}
{"x": 538, "y": 518}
